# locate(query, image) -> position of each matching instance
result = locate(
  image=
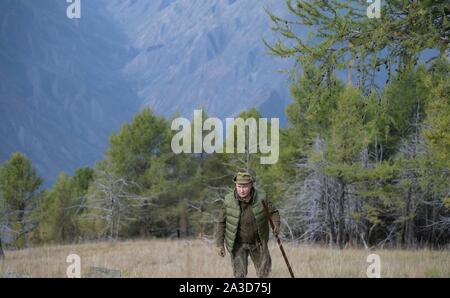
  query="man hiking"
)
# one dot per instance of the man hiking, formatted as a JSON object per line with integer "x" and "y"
{"x": 243, "y": 227}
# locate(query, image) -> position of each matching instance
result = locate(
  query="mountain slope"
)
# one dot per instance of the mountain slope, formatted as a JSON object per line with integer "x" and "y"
{"x": 66, "y": 84}
{"x": 202, "y": 53}
{"x": 61, "y": 86}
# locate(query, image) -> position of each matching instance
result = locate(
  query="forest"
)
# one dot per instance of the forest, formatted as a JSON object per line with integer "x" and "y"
{"x": 364, "y": 160}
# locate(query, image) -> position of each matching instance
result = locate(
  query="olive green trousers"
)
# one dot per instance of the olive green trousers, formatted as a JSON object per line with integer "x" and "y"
{"x": 259, "y": 254}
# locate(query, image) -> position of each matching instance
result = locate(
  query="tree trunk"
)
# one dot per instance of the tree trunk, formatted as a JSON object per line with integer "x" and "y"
{"x": 184, "y": 221}
{"x": 202, "y": 224}
{"x": 119, "y": 216}
{"x": 332, "y": 232}
{"x": 112, "y": 222}
{"x": 2, "y": 254}
{"x": 350, "y": 66}
{"x": 433, "y": 219}
{"x": 406, "y": 241}
{"x": 341, "y": 223}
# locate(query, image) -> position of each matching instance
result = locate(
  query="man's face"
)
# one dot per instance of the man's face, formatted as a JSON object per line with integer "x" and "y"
{"x": 243, "y": 190}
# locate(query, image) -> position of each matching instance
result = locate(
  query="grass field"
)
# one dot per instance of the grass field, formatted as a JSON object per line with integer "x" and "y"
{"x": 196, "y": 258}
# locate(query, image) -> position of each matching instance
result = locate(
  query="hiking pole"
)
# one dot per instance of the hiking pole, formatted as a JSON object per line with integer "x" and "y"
{"x": 278, "y": 239}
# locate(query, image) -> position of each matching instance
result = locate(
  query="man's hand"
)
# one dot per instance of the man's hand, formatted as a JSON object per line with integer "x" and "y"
{"x": 221, "y": 251}
{"x": 276, "y": 230}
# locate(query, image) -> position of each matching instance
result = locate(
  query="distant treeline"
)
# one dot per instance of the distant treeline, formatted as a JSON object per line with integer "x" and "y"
{"x": 360, "y": 163}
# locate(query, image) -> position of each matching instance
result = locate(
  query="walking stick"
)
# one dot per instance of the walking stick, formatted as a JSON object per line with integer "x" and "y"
{"x": 278, "y": 239}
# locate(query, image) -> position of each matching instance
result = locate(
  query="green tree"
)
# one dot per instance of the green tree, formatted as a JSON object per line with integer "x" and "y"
{"x": 132, "y": 182}
{"x": 19, "y": 190}
{"x": 344, "y": 37}
{"x": 58, "y": 213}
{"x": 363, "y": 161}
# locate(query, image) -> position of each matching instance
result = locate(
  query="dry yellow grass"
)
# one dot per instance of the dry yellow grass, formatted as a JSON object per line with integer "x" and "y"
{"x": 196, "y": 258}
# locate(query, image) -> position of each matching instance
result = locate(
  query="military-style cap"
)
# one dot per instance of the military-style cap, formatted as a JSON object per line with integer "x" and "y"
{"x": 243, "y": 178}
